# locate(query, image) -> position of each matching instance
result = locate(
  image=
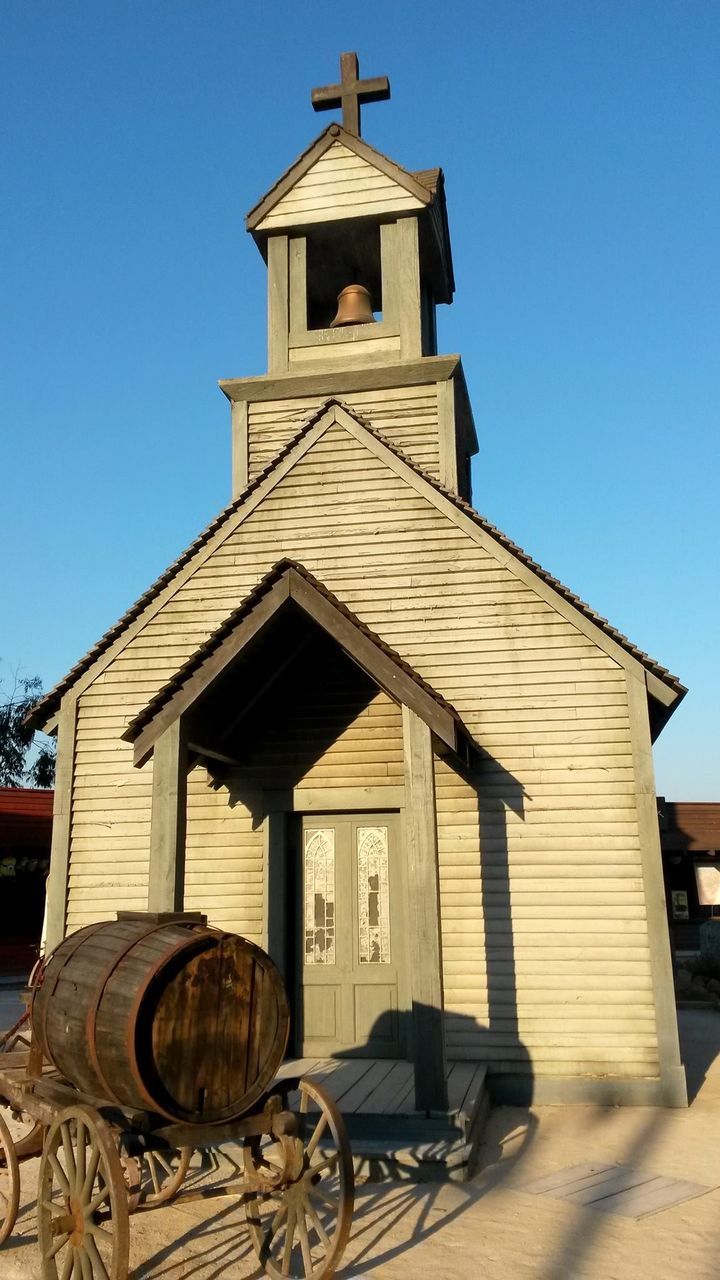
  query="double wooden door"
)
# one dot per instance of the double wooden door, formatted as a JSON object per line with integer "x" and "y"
{"x": 351, "y": 971}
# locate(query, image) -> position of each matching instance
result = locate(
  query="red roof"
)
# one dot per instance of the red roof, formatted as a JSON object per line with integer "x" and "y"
{"x": 694, "y": 827}
{"x": 26, "y": 802}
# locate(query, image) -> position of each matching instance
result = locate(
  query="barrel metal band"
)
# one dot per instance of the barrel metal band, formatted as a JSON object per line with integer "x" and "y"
{"x": 198, "y": 934}
{"x": 94, "y": 1006}
{"x": 48, "y": 990}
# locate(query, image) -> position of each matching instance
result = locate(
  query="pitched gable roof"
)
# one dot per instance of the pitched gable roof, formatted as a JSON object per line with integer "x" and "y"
{"x": 454, "y": 507}
{"x": 416, "y": 186}
{"x": 290, "y": 581}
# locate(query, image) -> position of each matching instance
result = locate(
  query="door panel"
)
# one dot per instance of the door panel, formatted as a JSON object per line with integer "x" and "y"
{"x": 351, "y": 968}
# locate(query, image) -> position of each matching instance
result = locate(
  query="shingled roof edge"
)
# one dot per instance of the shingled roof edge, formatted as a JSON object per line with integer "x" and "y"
{"x": 467, "y": 509}
{"x": 215, "y": 640}
{"x": 47, "y": 705}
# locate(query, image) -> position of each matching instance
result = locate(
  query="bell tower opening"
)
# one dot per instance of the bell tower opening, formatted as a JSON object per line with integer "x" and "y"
{"x": 339, "y": 254}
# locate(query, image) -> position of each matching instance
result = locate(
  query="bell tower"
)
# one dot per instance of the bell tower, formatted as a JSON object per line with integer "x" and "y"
{"x": 358, "y": 259}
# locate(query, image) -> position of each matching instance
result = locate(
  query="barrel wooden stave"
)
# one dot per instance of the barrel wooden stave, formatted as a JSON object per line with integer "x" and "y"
{"x": 183, "y": 1020}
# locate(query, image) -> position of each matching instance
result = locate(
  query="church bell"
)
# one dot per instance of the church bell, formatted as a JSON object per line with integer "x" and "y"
{"x": 354, "y": 306}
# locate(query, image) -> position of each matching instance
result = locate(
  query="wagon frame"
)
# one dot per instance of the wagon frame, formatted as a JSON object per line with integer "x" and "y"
{"x": 100, "y": 1163}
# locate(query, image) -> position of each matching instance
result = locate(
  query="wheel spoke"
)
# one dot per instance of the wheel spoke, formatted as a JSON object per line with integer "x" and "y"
{"x": 289, "y": 1238}
{"x": 160, "y": 1159}
{"x": 80, "y": 1147}
{"x": 90, "y": 1172}
{"x": 69, "y": 1154}
{"x": 99, "y": 1268}
{"x": 68, "y": 1266}
{"x": 58, "y": 1244}
{"x": 330, "y": 1162}
{"x": 86, "y": 1265}
{"x": 304, "y": 1242}
{"x": 317, "y": 1224}
{"x": 153, "y": 1172}
{"x": 274, "y": 1225}
{"x": 333, "y": 1202}
{"x": 95, "y": 1231}
{"x": 318, "y": 1132}
{"x": 60, "y": 1174}
{"x": 98, "y": 1199}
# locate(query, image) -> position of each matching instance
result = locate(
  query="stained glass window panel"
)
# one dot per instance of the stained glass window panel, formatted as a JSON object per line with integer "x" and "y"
{"x": 373, "y": 895}
{"x": 319, "y": 874}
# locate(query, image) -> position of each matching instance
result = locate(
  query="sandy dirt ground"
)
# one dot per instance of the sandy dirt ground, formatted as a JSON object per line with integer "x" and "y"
{"x": 489, "y": 1228}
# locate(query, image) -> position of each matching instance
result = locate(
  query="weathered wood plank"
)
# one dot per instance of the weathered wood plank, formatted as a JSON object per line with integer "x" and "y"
{"x": 425, "y": 946}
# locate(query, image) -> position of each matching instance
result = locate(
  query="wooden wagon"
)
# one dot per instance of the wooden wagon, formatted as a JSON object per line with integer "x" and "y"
{"x": 193, "y": 1023}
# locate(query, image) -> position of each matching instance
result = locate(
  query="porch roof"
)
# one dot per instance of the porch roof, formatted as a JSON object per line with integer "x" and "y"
{"x": 289, "y": 581}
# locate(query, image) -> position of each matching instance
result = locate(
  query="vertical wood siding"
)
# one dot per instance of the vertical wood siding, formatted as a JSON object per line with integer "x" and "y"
{"x": 339, "y": 185}
{"x": 406, "y": 416}
{"x": 543, "y": 918}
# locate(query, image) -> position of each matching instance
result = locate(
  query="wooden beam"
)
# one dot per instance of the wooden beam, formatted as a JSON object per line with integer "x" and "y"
{"x": 57, "y": 884}
{"x": 278, "y": 304}
{"x": 205, "y": 753}
{"x": 334, "y": 799}
{"x": 420, "y": 833}
{"x": 275, "y": 832}
{"x": 379, "y": 665}
{"x": 447, "y": 435}
{"x": 672, "y": 1072}
{"x": 168, "y": 820}
{"x": 209, "y": 670}
{"x": 337, "y": 382}
{"x": 298, "y": 284}
{"x": 407, "y": 298}
{"x": 665, "y": 696}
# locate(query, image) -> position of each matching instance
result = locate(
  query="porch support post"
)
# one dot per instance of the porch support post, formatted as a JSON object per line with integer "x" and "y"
{"x": 168, "y": 820}
{"x": 275, "y": 889}
{"x": 420, "y": 827}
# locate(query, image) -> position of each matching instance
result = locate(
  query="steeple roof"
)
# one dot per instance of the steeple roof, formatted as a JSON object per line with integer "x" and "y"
{"x": 404, "y": 192}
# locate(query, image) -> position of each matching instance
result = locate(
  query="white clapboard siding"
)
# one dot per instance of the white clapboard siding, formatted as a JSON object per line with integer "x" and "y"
{"x": 543, "y": 922}
{"x": 339, "y": 185}
{"x": 406, "y": 416}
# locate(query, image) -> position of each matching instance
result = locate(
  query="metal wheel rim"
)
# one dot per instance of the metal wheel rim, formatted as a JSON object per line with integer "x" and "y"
{"x": 83, "y": 1230}
{"x": 9, "y": 1182}
{"x": 299, "y": 1229}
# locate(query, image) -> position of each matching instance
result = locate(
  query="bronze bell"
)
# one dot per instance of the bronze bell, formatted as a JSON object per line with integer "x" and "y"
{"x": 354, "y": 306}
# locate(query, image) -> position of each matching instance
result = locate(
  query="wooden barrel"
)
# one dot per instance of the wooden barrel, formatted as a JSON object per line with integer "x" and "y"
{"x": 170, "y": 1017}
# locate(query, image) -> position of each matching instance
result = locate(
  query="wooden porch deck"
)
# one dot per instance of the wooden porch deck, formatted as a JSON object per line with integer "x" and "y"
{"x": 385, "y": 1086}
{"x": 389, "y": 1137}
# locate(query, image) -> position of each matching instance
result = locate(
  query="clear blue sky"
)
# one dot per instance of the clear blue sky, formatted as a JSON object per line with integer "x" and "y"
{"x": 581, "y": 146}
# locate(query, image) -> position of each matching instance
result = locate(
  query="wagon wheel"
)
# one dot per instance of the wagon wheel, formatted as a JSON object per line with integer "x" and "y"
{"x": 300, "y": 1213}
{"x": 83, "y": 1230}
{"x": 153, "y": 1175}
{"x": 9, "y": 1182}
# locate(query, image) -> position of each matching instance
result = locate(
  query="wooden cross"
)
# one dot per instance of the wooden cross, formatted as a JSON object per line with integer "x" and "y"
{"x": 350, "y": 93}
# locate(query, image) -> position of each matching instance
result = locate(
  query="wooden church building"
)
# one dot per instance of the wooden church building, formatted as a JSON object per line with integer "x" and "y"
{"x": 356, "y": 723}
